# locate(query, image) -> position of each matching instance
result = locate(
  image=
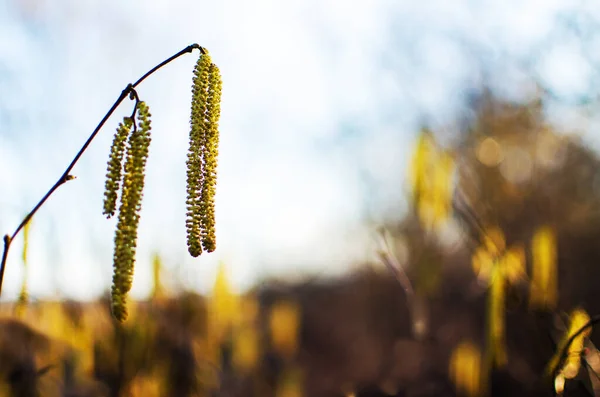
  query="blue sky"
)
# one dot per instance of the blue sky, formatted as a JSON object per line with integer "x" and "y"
{"x": 321, "y": 102}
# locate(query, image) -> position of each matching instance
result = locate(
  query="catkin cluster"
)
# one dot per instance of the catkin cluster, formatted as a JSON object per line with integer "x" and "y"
{"x": 130, "y": 176}
{"x": 126, "y": 171}
{"x": 202, "y": 156}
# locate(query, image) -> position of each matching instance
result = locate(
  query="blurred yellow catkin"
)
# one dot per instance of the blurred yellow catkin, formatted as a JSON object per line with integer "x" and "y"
{"x": 441, "y": 194}
{"x": 223, "y": 306}
{"x": 284, "y": 326}
{"x": 485, "y": 256}
{"x": 543, "y": 292}
{"x": 496, "y": 309}
{"x": 420, "y": 163}
{"x": 21, "y": 304}
{"x": 513, "y": 264}
{"x": 431, "y": 180}
{"x": 157, "y": 290}
{"x": 578, "y": 319}
{"x": 494, "y": 253}
{"x": 498, "y": 266}
{"x": 494, "y": 241}
{"x": 246, "y": 348}
{"x": 147, "y": 386}
{"x": 465, "y": 369}
{"x": 559, "y": 384}
{"x": 246, "y": 338}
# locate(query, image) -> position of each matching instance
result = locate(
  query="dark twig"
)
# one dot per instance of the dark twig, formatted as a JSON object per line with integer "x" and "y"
{"x": 66, "y": 176}
{"x": 393, "y": 265}
{"x": 415, "y": 304}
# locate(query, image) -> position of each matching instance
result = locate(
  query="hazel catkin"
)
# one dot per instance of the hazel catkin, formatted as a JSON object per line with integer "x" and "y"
{"x": 115, "y": 166}
{"x": 129, "y": 211}
{"x": 196, "y": 156}
{"x": 210, "y": 153}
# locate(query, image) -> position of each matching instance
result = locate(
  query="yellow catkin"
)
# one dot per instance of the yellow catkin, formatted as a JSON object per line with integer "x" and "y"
{"x": 157, "y": 291}
{"x": 223, "y": 306}
{"x": 513, "y": 264}
{"x": 195, "y": 175}
{"x": 441, "y": 194}
{"x": 578, "y": 319}
{"x": 25, "y": 243}
{"x": 496, "y": 324}
{"x": 465, "y": 369}
{"x": 431, "y": 173}
{"x": 482, "y": 263}
{"x": 246, "y": 341}
{"x": 246, "y": 348}
{"x": 494, "y": 241}
{"x": 210, "y": 154}
{"x": 22, "y": 300}
{"x": 115, "y": 166}
{"x": 559, "y": 384}
{"x": 118, "y": 304}
{"x": 544, "y": 279}
{"x": 284, "y": 327}
{"x": 129, "y": 211}
{"x": 420, "y": 164}
{"x": 491, "y": 251}
{"x": 498, "y": 266}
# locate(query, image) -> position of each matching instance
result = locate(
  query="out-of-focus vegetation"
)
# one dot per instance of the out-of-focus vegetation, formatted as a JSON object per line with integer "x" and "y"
{"x": 504, "y": 307}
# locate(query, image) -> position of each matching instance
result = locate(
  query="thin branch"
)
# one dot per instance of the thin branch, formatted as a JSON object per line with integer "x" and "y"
{"x": 66, "y": 176}
{"x": 187, "y": 49}
{"x": 413, "y": 302}
{"x": 394, "y": 266}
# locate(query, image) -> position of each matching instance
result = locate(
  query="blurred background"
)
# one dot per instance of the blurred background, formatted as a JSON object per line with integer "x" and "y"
{"x": 322, "y": 103}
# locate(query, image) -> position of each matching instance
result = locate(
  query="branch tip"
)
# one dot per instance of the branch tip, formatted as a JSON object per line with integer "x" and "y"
{"x": 196, "y": 46}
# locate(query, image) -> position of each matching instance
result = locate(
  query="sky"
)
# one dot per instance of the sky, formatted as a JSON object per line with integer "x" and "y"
{"x": 321, "y": 103}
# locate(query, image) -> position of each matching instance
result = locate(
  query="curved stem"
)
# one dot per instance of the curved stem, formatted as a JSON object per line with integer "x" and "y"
{"x": 66, "y": 176}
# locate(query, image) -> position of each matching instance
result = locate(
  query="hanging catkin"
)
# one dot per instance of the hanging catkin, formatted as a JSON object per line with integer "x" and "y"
{"x": 202, "y": 156}
{"x": 136, "y": 155}
{"x": 115, "y": 167}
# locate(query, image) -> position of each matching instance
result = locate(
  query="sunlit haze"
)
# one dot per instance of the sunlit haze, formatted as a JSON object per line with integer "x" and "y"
{"x": 322, "y": 100}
